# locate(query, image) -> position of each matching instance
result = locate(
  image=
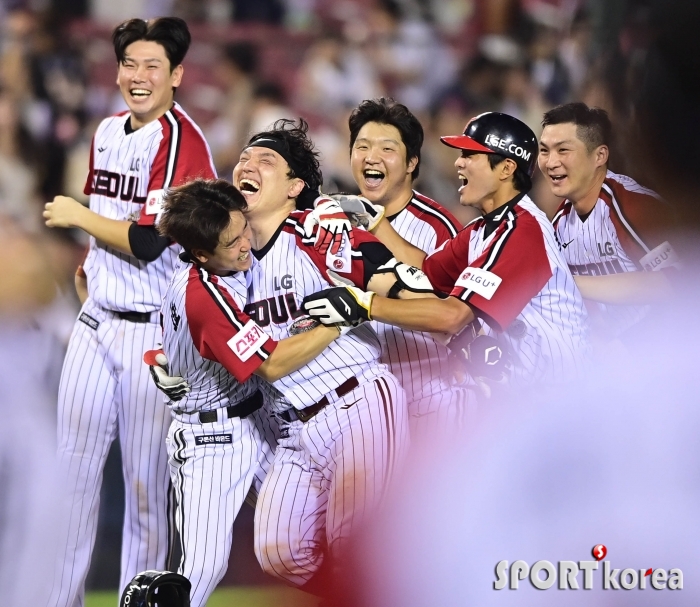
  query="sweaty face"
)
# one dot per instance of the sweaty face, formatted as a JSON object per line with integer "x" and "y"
{"x": 479, "y": 181}
{"x": 145, "y": 81}
{"x": 232, "y": 254}
{"x": 379, "y": 165}
{"x": 567, "y": 165}
{"x": 262, "y": 177}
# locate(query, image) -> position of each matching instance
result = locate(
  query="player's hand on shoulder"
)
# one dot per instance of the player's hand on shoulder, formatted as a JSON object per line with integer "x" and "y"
{"x": 330, "y": 224}
{"x": 63, "y": 212}
{"x": 174, "y": 386}
{"x": 339, "y": 305}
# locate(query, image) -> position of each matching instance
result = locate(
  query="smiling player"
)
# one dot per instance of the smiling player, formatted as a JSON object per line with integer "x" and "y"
{"x": 503, "y": 269}
{"x": 614, "y": 233}
{"x": 385, "y": 146}
{"x": 220, "y": 442}
{"x": 105, "y": 388}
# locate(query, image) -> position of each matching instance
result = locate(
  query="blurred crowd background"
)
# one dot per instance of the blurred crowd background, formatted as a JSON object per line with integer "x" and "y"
{"x": 253, "y": 61}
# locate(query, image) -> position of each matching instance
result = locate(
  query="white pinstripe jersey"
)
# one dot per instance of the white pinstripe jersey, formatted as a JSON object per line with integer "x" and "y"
{"x": 209, "y": 340}
{"x": 419, "y": 362}
{"x": 508, "y": 267}
{"x": 129, "y": 171}
{"x": 626, "y": 231}
{"x": 290, "y": 268}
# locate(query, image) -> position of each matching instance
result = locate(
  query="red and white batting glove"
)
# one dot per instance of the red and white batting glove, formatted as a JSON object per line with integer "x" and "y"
{"x": 332, "y": 224}
{"x": 174, "y": 386}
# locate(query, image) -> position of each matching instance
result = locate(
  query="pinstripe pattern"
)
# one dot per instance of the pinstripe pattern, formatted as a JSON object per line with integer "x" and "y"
{"x": 105, "y": 387}
{"x": 418, "y": 361}
{"x": 275, "y": 308}
{"x": 212, "y": 386}
{"x": 328, "y": 474}
{"x": 594, "y": 248}
{"x": 548, "y": 340}
{"x": 130, "y": 284}
{"x": 211, "y": 480}
{"x": 211, "y": 484}
{"x": 102, "y": 374}
{"x": 555, "y": 347}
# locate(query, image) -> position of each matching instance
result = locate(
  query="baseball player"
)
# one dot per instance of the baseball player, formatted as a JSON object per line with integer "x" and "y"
{"x": 105, "y": 387}
{"x": 343, "y": 418}
{"x": 219, "y": 443}
{"x": 504, "y": 269}
{"x": 614, "y": 233}
{"x": 385, "y": 146}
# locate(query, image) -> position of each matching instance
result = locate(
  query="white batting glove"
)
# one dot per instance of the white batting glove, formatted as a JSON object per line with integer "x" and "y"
{"x": 339, "y": 305}
{"x": 174, "y": 386}
{"x": 408, "y": 277}
{"x": 332, "y": 224}
{"x": 360, "y": 210}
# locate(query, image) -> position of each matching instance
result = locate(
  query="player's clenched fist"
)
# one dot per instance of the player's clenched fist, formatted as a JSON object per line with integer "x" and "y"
{"x": 63, "y": 212}
{"x": 348, "y": 305}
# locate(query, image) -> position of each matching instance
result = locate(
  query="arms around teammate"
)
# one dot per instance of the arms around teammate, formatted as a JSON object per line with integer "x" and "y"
{"x": 504, "y": 268}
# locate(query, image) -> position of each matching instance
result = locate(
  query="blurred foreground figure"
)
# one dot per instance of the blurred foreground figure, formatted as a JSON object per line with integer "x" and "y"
{"x": 27, "y": 444}
{"x": 614, "y": 463}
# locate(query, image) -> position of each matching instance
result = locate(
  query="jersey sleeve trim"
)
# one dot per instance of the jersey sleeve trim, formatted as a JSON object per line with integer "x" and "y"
{"x": 612, "y": 200}
{"x": 563, "y": 210}
{"x": 500, "y": 243}
{"x": 237, "y": 319}
{"x": 435, "y": 213}
{"x": 174, "y": 140}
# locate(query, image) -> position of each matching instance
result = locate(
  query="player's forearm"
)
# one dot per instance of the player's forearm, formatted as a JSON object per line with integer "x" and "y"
{"x": 402, "y": 249}
{"x": 424, "y": 314}
{"x": 626, "y": 288}
{"x": 112, "y": 232}
{"x": 295, "y": 352}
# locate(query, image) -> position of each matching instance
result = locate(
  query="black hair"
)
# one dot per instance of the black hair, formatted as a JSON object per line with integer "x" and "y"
{"x": 299, "y": 152}
{"x": 593, "y": 125}
{"x": 521, "y": 180}
{"x": 385, "y": 110}
{"x": 195, "y": 214}
{"x": 170, "y": 32}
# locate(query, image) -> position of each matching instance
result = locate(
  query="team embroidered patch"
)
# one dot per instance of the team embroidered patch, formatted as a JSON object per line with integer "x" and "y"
{"x": 248, "y": 341}
{"x": 659, "y": 258}
{"x": 341, "y": 261}
{"x": 154, "y": 202}
{"x": 213, "y": 439}
{"x": 89, "y": 321}
{"x": 480, "y": 281}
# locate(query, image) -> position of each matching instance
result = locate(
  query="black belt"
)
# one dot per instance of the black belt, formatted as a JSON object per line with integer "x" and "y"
{"x": 242, "y": 409}
{"x": 304, "y": 415}
{"x": 133, "y": 316}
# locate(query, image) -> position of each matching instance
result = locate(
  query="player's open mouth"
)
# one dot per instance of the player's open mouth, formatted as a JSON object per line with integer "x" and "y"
{"x": 464, "y": 181}
{"x": 557, "y": 178}
{"x": 372, "y": 177}
{"x": 248, "y": 186}
{"x": 244, "y": 256}
{"x": 139, "y": 93}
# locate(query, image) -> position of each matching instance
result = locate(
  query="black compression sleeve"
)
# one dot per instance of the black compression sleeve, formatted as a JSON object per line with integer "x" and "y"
{"x": 146, "y": 244}
{"x": 374, "y": 254}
